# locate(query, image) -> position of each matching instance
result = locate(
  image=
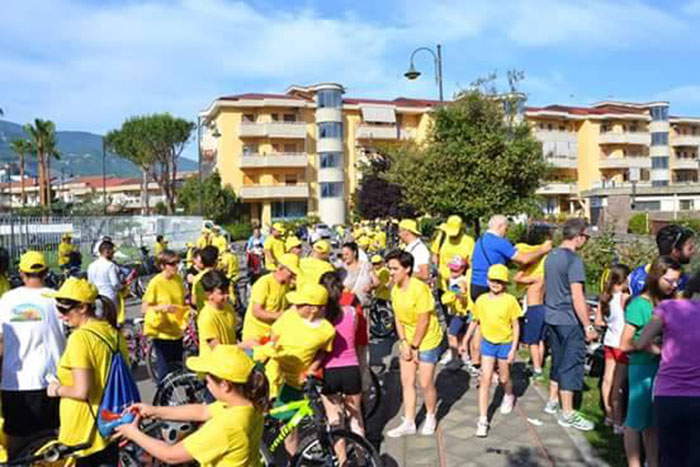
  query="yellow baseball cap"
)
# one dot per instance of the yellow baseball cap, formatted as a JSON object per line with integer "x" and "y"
{"x": 309, "y": 294}
{"x": 290, "y": 261}
{"x": 292, "y": 241}
{"x": 411, "y": 225}
{"x": 189, "y": 244}
{"x": 79, "y": 290}
{"x": 498, "y": 272}
{"x": 67, "y": 235}
{"x": 376, "y": 259}
{"x": 453, "y": 226}
{"x": 279, "y": 227}
{"x": 322, "y": 246}
{"x": 227, "y": 362}
{"x": 32, "y": 261}
{"x": 363, "y": 241}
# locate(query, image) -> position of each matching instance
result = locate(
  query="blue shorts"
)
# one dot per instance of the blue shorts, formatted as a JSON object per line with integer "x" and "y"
{"x": 499, "y": 351}
{"x": 431, "y": 356}
{"x": 533, "y": 324}
{"x": 458, "y": 325}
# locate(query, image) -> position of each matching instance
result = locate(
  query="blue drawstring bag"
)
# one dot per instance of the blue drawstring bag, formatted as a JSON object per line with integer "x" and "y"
{"x": 119, "y": 394}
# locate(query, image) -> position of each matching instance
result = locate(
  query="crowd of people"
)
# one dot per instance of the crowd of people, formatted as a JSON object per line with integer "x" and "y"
{"x": 454, "y": 301}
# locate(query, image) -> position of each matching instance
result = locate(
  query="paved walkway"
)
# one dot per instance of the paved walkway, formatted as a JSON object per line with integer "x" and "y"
{"x": 526, "y": 437}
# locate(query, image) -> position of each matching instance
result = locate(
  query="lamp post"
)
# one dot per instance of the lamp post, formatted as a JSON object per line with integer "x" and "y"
{"x": 199, "y": 164}
{"x": 104, "y": 177}
{"x": 412, "y": 73}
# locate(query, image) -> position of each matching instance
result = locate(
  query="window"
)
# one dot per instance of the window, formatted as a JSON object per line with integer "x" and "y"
{"x": 659, "y": 162}
{"x": 289, "y": 209}
{"x": 659, "y": 183}
{"x": 659, "y": 139}
{"x": 647, "y": 205}
{"x": 250, "y": 149}
{"x": 290, "y": 118}
{"x": 290, "y": 148}
{"x": 687, "y": 205}
{"x": 275, "y": 117}
{"x": 330, "y": 160}
{"x": 249, "y": 118}
{"x": 549, "y": 126}
{"x": 659, "y": 114}
{"x": 290, "y": 179}
{"x": 331, "y": 189}
{"x": 330, "y": 130}
{"x": 329, "y": 98}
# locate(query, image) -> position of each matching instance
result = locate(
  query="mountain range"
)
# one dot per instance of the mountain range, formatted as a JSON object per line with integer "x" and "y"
{"x": 81, "y": 154}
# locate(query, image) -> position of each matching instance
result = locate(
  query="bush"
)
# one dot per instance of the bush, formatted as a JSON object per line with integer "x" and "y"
{"x": 239, "y": 230}
{"x": 517, "y": 233}
{"x": 690, "y": 223}
{"x": 637, "y": 252}
{"x": 639, "y": 224}
{"x": 598, "y": 254}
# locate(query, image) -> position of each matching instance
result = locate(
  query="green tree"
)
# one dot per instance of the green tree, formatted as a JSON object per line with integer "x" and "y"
{"x": 478, "y": 160}
{"x": 42, "y": 135}
{"x": 219, "y": 203}
{"x": 22, "y": 147}
{"x": 154, "y": 142}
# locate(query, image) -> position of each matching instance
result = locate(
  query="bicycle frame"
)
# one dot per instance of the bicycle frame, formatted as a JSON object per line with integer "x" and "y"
{"x": 302, "y": 409}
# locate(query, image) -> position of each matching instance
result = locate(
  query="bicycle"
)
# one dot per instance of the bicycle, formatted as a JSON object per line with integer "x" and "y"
{"x": 381, "y": 319}
{"x": 323, "y": 443}
{"x": 190, "y": 346}
{"x": 136, "y": 341}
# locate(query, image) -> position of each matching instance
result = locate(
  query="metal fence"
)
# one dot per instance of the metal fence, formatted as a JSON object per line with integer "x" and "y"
{"x": 19, "y": 234}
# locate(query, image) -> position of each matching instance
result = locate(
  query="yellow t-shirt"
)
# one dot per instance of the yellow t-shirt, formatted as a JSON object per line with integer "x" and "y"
{"x": 382, "y": 292}
{"x": 162, "y": 291}
{"x": 271, "y": 295}
{"x": 4, "y": 284}
{"x": 311, "y": 270}
{"x": 220, "y": 243}
{"x": 496, "y": 316}
{"x": 298, "y": 342}
{"x": 413, "y": 301}
{"x": 86, "y": 351}
{"x": 276, "y": 246}
{"x": 535, "y": 269}
{"x": 380, "y": 239}
{"x": 230, "y": 438}
{"x": 189, "y": 258}
{"x": 204, "y": 240}
{"x": 159, "y": 248}
{"x": 198, "y": 296}
{"x": 64, "y": 251}
{"x": 228, "y": 264}
{"x": 213, "y": 323}
{"x": 464, "y": 247}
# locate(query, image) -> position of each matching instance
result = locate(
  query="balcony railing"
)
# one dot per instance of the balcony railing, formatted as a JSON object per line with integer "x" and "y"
{"x": 639, "y": 138}
{"x": 300, "y": 190}
{"x": 685, "y": 163}
{"x": 273, "y": 129}
{"x": 642, "y": 162}
{"x": 562, "y": 162}
{"x": 686, "y": 140}
{"x": 555, "y": 136}
{"x": 377, "y": 132}
{"x": 285, "y": 159}
{"x": 558, "y": 188}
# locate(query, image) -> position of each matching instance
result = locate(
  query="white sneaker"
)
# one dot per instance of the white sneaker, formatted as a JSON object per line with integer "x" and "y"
{"x": 407, "y": 427}
{"x": 551, "y": 407}
{"x": 429, "y": 425}
{"x": 447, "y": 358}
{"x": 467, "y": 360}
{"x": 507, "y": 404}
{"x": 482, "y": 428}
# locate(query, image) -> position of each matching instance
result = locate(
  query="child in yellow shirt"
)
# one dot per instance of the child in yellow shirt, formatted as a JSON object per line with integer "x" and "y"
{"x": 497, "y": 314}
{"x": 380, "y": 279}
{"x": 216, "y": 322}
{"x": 208, "y": 259}
{"x": 459, "y": 305}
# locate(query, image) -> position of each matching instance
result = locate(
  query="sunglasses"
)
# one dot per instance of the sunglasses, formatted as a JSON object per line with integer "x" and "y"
{"x": 174, "y": 263}
{"x": 64, "y": 309}
{"x": 673, "y": 284}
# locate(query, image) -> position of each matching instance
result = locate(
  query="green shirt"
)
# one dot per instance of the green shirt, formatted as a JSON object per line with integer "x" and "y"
{"x": 638, "y": 314}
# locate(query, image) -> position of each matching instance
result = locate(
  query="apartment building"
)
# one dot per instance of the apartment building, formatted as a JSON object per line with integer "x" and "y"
{"x": 294, "y": 154}
{"x": 618, "y": 153}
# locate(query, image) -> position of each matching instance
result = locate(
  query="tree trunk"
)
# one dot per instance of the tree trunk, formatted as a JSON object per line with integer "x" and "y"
{"x": 47, "y": 179}
{"x": 144, "y": 192}
{"x": 21, "y": 178}
{"x": 40, "y": 173}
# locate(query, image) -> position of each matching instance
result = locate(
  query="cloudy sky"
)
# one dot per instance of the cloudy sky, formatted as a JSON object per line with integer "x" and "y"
{"x": 90, "y": 64}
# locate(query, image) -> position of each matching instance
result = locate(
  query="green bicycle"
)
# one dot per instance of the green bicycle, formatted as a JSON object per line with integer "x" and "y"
{"x": 321, "y": 444}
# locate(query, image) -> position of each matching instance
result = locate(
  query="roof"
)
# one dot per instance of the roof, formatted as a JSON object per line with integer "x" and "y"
{"x": 600, "y": 110}
{"x": 399, "y": 101}
{"x": 259, "y": 96}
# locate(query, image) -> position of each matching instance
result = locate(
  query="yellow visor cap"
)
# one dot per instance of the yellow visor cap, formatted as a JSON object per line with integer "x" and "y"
{"x": 309, "y": 294}
{"x": 498, "y": 272}
{"x": 32, "y": 261}
{"x": 227, "y": 362}
{"x": 78, "y": 290}
{"x": 410, "y": 225}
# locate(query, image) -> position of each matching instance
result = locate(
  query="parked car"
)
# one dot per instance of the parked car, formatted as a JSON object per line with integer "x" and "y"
{"x": 320, "y": 231}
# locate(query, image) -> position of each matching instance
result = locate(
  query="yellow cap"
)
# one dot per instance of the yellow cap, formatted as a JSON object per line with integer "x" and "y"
{"x": 290, "y": 261}
{"x": 67, "y": 235}
{"x": 410, "y": 225}
{"x": 292, "y": 241}
{"x": 498, "y": 272}
{"x": 376, "y": 259}
{"x": 322, "y": 246}
{"x": 32, "y": 261}
{"x": 453, "y": 226}
{"x": 227, "y": 362}
{"x": 189, "y": 245}
{"x": 279, "y": 227}
{"x": 79, "y": 290}
{"x": 363, "y": 241}
{"x": 309, "y": 294}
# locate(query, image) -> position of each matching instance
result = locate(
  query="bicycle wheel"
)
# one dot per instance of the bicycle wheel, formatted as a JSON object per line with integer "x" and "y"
{"x": 350, "y": 450}
{"x": 372, "y": 397}
{"x": 151, "y": 362}
{"x": 381, "y": 320}
{"x": 132, "y": 343}
{"x": 36, "y": 445}
{"x": 181, "y": 387}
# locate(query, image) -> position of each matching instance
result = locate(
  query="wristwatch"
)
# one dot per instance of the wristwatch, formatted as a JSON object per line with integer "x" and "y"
{"x": 590, "y": 327}
{"x": 414, "y": 347}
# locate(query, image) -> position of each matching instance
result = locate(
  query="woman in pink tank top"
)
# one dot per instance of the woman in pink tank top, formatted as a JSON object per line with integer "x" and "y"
{"x": 342, "y": 378}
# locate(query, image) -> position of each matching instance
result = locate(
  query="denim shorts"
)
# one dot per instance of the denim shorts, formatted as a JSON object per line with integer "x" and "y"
{"x": 431, "y": 356}
{"x": 568, "y": 345}
{"x": 499, "y": 351}
{"x": 533, "y": 325}
{"x": 458, "y": 325}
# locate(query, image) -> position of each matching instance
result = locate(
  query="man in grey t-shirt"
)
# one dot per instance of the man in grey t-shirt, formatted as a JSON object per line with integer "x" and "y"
{"x": 568, "y": 323}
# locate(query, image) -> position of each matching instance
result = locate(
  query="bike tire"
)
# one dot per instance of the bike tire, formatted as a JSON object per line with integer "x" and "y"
{"x": 33, "y": 445}
{"x": 381, "y": 321}
{"x": 150, "y": 359}
{"x": 311, "y": 452}
{"x": 133, "y": 343}
{"x": 372, "y": 398}
{"x": 179, "y": 388}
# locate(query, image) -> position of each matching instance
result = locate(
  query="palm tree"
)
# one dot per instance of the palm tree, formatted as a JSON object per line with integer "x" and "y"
{"x": 43, "y": 138}
{"x": 21, "y": 147}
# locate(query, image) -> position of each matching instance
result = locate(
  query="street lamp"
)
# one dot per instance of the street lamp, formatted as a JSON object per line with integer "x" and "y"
{"x": 104, "y": 177}
{"x": 412, "y": 73}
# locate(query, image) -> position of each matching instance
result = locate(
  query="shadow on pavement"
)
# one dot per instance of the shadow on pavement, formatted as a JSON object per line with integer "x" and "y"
{"x": 451, "y": 386}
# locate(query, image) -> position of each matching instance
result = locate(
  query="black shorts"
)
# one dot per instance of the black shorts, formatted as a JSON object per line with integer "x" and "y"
{"x": 28, "y": 412}
{"x": 345, "y": 380}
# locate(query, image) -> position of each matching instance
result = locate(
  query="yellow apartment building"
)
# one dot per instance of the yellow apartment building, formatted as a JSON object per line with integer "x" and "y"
{"x": 295, "y": 154}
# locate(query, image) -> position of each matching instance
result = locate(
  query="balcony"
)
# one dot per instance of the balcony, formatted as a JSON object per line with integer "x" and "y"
{"x": 686, "y": 140}
{"x": 558, "y": 188}
{"x": 300, "y": 190}
{"x": 272, "y": 130}
{"x": 642, "y": 162}
{"x": 377, "y": 132}
{"x": 285, "y": 159}
{"x": 562, "y": 162}
{"x": 555, "y": 136}
{"x": 687, "y": 163}
{"x": 638, "y": 138}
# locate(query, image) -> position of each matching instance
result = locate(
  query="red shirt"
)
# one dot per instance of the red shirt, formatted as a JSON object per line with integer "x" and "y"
{"x": 362, "y": 334}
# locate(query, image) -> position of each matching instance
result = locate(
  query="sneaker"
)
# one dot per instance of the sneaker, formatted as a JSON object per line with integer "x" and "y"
{"x": 482, "y": 428}
{"x": 575, "y": 420}
{"x": 467, "y": 360}
{"x": 429, "y": 425}
{"x": 608, "y": 421}
{"x": 406, "y": 428}
{"x": 507, "y": 404}
{"x": 551, "y": 407}
{"x": 474, "y": 371}
{"x": 537, "y": 376}
{"x": 447, "y": 358}
{"x": 618, "y": 429}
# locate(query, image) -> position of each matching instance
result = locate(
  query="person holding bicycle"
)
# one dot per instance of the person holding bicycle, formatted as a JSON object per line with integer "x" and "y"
{"x": 232, "y": 426}
{"x": 84, "y": 368}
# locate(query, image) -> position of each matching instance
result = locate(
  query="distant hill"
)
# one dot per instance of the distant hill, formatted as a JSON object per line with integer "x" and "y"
{"x": 81, "y": 154}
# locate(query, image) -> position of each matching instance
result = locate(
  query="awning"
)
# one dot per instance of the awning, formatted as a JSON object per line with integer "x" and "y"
{"x": 378, "y": 113}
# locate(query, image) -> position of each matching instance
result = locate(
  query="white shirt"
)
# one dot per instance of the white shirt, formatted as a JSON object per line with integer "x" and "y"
{"x": 33, "y": 339}
{"x": 420, "y": 253}
{"x": 105, "y": 275}
{"x": 362, "y": 256}
{"x": 616, "y": 322}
